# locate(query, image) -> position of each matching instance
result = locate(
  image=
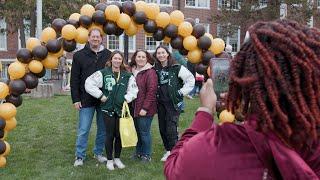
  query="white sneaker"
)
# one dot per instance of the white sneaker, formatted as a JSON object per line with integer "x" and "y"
{"x": 100, "y": 158}
{"x": 110, "y": 165}
{"x": 118, "y": 163}
{"x": 165, "y": 156}
{"x": 78, "y": 162}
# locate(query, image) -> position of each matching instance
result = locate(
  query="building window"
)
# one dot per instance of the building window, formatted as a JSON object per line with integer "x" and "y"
{"x": 132, "y": 43}
{"x": 160, "y": 2}
{"x": 233, "y": 40}
{"x": 198, "y": 3}
{"x": 3, "y": 35}
{"x": 27, "y": 24}
{"x": 318, "y": 3}
{"x": 263, "y": 2}
{"x": 151, "y": 44}
{"x": 4, "y": 70}
{"x": 229, "y": 4}
{"x": 117, "y": 0}
{"x": 117, "y": 43}
{"x": 113, "y": 42}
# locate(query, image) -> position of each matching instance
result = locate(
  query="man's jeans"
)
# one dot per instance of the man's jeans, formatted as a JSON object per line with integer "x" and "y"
{"x": 85, "y": 121}
{"x": 143, "y": 126}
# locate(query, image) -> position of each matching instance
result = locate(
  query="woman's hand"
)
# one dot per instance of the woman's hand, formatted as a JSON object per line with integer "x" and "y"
{"x": 208, "y": 97}
{"x": 142, "y": 112}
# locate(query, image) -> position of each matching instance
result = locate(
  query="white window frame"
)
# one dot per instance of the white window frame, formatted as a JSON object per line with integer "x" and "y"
{"x": 26, "y": 32}
{"x": 227, "y": 40}
{"x": 159, "y": 2}
{"x": 196, "y": 6}
{"x": 318, "y": 4}
{"x": 121, "y": 43}
{"x": 228, "y": 5}
{"x": 3, "y": 25}
{"x": 206, "y": 27}
{"x": 158, "y": 43}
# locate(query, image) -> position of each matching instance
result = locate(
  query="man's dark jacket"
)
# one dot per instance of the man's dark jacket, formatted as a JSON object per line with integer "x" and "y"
{"x": 86, "y": 62}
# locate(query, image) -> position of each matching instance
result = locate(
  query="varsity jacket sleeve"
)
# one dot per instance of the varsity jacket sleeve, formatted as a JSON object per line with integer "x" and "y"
{"x": 75, "y": 79}
{"x": 93, "y": 84}
{"x": 188, "y": 80}
{"x": 132, "y": 90}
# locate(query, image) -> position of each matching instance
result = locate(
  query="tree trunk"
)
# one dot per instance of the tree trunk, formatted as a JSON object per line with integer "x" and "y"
{"x": 22, "y": 34}
{"x": 33, "y": 22}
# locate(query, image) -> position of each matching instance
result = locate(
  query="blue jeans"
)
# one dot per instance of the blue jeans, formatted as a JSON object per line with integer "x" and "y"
{"x": 85, "y": 121}
{"x": 143, "y": 126}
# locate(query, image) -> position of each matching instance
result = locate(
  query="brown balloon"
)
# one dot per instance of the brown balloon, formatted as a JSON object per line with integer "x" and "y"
{"x": 110, "y": 28}
{"x": 183, "y": 51}
{"x": 69, "y": 46}
{"x": 206, "y": 56}
{"x": 40, "y": 74}
{"x": 101, "y": 6}
{"x": 201, "y": 68}
{"x": 198, "y": 30}
{"x": 31, "y": 80}
{"x": 2, "y": 124}
{"x": 159, "y": 34}
{"x": 150, "y": 26}
{"x": 53, "y": 45}
{"x": 2, "y": 147}
{"x": 204, "y": 42}
{"x": 15, "y": 100}
{"x": 171, "y": 31}
{"x": 129, "y": 8}
{"x": 85, "y": 21}
{"x": 177, "y": 43}
{"x": 73, "y": 23}
{"x": 140, "y": 17}
{"x": 119, "y": 31}
{"x": 17, "y": 87}
{"x": 99, "y": 17}
{"x": 190, "y": 20}
{"x": 24, "y": 55}
{"x": 40, "y": 52}
{"x": 57, "y": 24}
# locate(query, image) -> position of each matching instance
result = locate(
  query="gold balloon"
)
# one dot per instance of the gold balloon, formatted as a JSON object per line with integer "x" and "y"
{"x": 124, "y": 21}
{"x": 82, "y": 35}
{"x": 69, "y": 32}
{"x": 217, "y": 46}
{"x": 35, "y": 66}
{"x": 48, "y": 34}
{"x": 32, "y": 42}
{"x": 190, "y": 43}
{"x": 112, "y": 13}
{"x": 16, "y": 70}
{"x": 7, "y": 151}
{"x": 4, "y": 90}
{"x": 87, "y": 10}
{"x": 141, "y": 6}
{"x": 7, "y": 111}
{"x": 185, "y": 29}
{"x": 194, "y": 56}
{"x": 132, "y": 30}
{"x": 226, "y": 116}
{"x": 3, "y": 161}
{"x": 209, "y": 35}
{"x": 50, "y": 62}
{"x": 75, "y": 16}
{"x": 166, "y": 39}
{"x": 176, "y": 17}
{"x": 152, "y": 10}
{"x": 10, "y": 124}
{"x": 163, "y": 19}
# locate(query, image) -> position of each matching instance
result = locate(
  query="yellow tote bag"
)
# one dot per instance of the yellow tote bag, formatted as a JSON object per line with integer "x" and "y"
{"x": 127, "y": 130}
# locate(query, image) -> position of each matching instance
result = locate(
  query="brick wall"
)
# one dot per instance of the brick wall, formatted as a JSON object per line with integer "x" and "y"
{"x": 12, "y": 47}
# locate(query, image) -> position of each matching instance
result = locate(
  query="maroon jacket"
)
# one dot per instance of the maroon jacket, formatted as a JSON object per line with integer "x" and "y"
{"x": 230, "y": 151}
{"x": 147, "y": 82}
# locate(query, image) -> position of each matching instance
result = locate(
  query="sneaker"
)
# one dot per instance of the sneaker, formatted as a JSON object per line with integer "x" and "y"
{"x": 110, "y": 165}
{"x": 100, "y": 158}
{"x": 165, "y": 156}
{"x": 145, "y": 159}
{"x": 135, "y": 156}
{"x": 78, "y": 162}
{"x": 118, "y": 163}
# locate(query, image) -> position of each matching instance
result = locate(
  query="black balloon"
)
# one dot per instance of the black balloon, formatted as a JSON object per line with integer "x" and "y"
{"x": 53, "y": 45}
{"x": 40, "y": 52}
{"x": 40, "y": 74}
{"x": 129, "y": 8}
{"x": 183, "y": 51}
{"x": 73, "y": 23}
{"x": 201, "y": 68}
{"x": 198, "y": 30}
{"x": 206, "y": 56}
{"x": 57, "y": 24}
{"x": 159, "y": 34}
{"x": 190, "y": 20}
{"x": 2, "y": 123}
{"x": 140, "y": 17}
{"x": 110, "y": 28}
{"x": 99, "y": 17}
{"x": 17, "y": 87}
{"x": 69, "y": 46}
{"x": 85, "y": 21}
{"x": 119, "y": 31}
{"x": 171, "y": 31}
{"x": 1, "y": 133}
{"x": 100, "y": 6}
{"x": 177, "y": 43}
{"x": 15, "y": 100}
{"x": 2, "y": 147}
{"x": 31, "y": 80}
{"x": 24, "y": 55}
{"x": 150, "y": 26}
{"x": 204, "y": 42}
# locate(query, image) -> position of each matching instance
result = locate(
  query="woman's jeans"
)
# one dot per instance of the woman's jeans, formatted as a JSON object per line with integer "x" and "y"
{"x": 143, "y": 128}
{"x": 85, "y": 120}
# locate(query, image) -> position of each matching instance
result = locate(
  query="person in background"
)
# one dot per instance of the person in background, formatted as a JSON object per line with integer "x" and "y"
{"x": 276, "y": 78}
{"x": 112, "y": 85}
{"x": 145, "y": 106}
{"x": 85, "y": 62}
{"x": 174, "y": 82}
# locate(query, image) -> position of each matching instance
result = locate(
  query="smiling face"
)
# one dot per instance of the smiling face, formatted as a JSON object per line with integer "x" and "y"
{"x": 116, "y": 61}
{"x": 95, "y": 38}
{"x": 162, "y": 55}
{"x": 141, "y": 59}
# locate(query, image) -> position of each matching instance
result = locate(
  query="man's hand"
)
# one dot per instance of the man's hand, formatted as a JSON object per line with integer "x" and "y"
{"x": 77, "y": 105}
{"x": 103, "y": 98}
{"x": 142, "y": 112}
{"x": 208, "y": 97}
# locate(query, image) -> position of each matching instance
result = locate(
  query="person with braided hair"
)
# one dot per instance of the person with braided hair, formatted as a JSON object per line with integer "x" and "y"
{"x": 275, "y": 82}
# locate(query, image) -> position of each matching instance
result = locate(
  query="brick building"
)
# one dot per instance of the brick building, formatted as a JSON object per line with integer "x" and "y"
{"x": 200, "y": 10}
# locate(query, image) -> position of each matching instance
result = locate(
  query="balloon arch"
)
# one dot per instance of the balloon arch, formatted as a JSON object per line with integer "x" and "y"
{"x": 112, "y": 19}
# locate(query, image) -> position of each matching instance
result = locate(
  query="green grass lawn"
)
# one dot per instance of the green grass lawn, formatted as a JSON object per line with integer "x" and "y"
{"x": 43, "y": 145}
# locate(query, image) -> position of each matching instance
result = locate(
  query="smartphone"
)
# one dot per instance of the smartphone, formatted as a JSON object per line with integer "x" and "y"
{"x": 220, "y": 75}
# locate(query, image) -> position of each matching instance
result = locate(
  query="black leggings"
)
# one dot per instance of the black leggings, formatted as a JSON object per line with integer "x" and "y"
{"x": 112, "y": 136}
